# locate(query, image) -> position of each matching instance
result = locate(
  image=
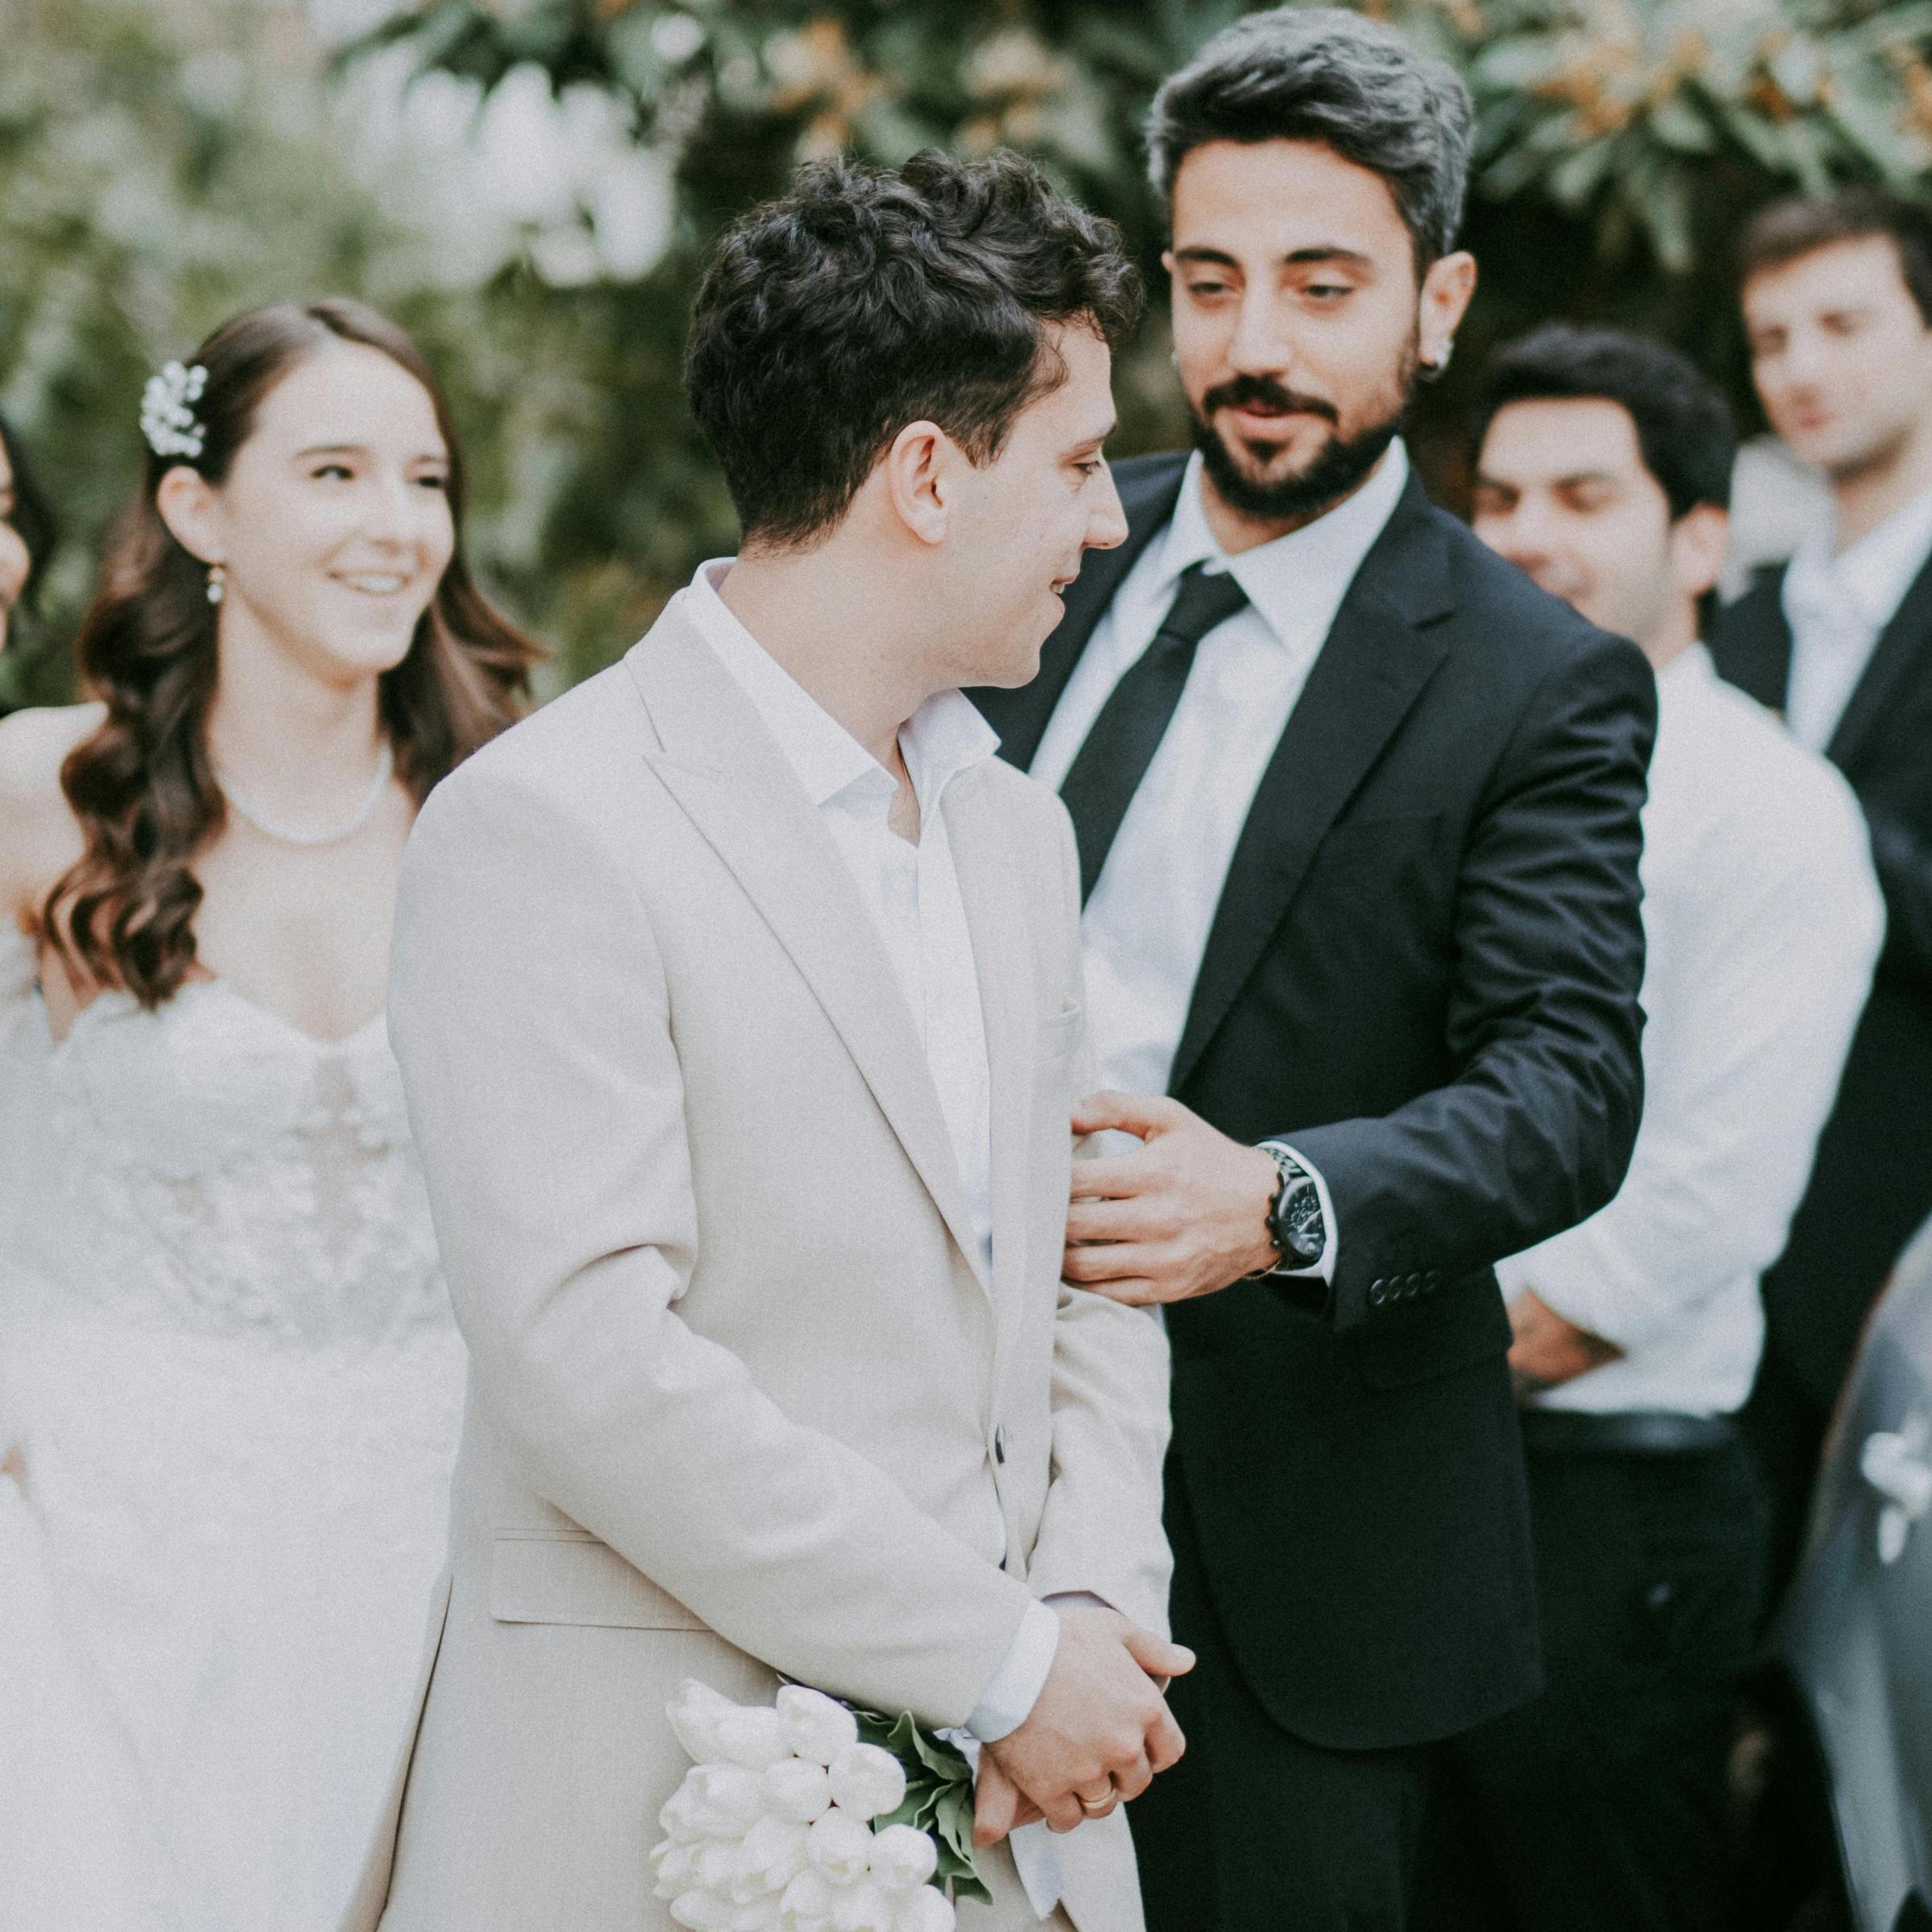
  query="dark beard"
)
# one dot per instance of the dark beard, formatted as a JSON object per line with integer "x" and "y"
{"x": 1338, "y": 471}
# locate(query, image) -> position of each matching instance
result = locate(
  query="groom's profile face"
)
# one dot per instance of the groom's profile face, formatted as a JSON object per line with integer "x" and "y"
{"x": 1023, "y": 520}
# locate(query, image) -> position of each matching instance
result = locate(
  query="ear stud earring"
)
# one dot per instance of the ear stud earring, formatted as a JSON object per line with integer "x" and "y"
{"x": 217, "y": 582}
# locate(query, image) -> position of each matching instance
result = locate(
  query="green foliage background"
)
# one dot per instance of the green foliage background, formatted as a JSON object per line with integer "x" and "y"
{"x": 163, "y": 162}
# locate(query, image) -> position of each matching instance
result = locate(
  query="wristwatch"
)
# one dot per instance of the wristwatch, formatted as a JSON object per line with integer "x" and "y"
{"x": 1295, "y": 1221}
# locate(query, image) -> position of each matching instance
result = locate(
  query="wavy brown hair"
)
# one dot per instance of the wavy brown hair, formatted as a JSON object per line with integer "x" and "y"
{"x": 144, "y": 786}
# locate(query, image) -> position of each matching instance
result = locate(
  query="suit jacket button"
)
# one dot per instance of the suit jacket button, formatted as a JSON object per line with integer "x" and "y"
{"x": 1377, "y": 1293}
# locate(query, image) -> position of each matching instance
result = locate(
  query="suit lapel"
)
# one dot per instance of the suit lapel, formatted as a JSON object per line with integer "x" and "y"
{"x": 1902, "y": 644}
{"x": 1752, "y": 644}
{"x": 1148, "y": 490}
{"x": 991, "y": 887}
{"x": 732, "y": 779}
{"x": 1377, "y": 658}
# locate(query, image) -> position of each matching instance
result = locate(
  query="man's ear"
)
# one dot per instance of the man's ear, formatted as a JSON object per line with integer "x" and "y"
{"x": 917, "y": 472}
{"x": 1446, "y": 291}
{"x": 1700, "y": 540}
{"x": 190, "y": 507}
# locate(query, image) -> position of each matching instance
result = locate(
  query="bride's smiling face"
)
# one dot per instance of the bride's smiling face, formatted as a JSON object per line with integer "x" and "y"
{"x": 333, "y": 522}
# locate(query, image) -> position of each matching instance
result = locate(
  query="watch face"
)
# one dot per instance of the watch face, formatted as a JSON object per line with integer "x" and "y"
{"x": 1299, "y": 1222}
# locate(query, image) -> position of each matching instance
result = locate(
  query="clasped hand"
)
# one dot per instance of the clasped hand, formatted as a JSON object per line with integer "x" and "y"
{"x": 1183, "y": 1215}
{"x": 1099, "y": 1732}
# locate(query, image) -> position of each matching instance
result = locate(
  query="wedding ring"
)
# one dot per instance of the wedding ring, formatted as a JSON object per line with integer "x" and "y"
{"x": 1098, "y": 1807}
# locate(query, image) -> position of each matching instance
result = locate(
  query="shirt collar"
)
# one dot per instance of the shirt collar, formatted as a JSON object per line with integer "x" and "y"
{"x": 939, "y": 741}
{"x": 1871, "y": 576}
{"x": 1288, "y": 578}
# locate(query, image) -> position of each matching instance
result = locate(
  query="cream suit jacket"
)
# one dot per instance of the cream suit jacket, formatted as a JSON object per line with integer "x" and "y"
{"x": 741, "y": 1401}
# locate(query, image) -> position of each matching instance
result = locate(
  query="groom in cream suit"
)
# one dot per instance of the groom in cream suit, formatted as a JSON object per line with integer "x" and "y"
{"x": 738, "y": 998}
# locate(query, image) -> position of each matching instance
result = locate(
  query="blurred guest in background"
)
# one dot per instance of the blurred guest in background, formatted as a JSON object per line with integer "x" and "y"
{"x": 1357, "y": 814}
{"x": 229, "y": 1378}
{"x": 26, "y": 532}
{"x": 1837, "y": 300}
{"x": 1603, "y": 469}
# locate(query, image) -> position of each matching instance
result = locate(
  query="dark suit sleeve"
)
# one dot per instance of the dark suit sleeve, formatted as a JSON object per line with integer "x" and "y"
{"x": 1904, "y": 861}
{"x": 1535, "y": 1132}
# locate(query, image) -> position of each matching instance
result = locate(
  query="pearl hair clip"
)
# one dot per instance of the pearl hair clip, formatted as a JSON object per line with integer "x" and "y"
{"x": 167, "y": 415}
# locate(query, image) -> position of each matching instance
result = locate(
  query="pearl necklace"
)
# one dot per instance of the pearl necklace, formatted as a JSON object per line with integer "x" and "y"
{"x": 333, "y": 835}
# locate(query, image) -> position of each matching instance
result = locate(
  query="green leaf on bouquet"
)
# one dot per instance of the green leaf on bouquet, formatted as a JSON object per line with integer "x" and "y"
{"x": 959, "y": 1861}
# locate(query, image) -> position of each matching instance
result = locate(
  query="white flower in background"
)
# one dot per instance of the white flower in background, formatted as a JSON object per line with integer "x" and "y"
{"x": 817, "y": 1726}
{"x": 768, "y": 1857}
{"x": 841, "y": 1847}
{"x": 799, "y": 1791}
{"x": 863, "y": 1907}
{"x": 903, "y": 1857}
{"x": 867, "y": 1781}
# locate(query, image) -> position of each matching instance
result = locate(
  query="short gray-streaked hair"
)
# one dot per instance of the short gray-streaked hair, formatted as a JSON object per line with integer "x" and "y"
{"x": 1324, "y": 75}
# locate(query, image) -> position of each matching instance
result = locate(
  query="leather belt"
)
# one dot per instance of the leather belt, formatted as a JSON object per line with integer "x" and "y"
{"x": 1625, "y": 1432}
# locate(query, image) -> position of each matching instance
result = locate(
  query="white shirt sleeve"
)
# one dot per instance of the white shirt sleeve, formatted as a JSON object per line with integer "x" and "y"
{"x": 1752, "y": 1005}
{"x": 1008, "y": 1701}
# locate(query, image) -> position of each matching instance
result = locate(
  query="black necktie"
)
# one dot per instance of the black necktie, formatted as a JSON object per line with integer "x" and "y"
{"x": 1101, "y": 783}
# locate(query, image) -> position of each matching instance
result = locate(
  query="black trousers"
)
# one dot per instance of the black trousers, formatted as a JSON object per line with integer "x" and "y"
{"x": 1785, "y": 1425}
{"x": 1256, "y": 1831}
{"x": 1599, "y": 1806}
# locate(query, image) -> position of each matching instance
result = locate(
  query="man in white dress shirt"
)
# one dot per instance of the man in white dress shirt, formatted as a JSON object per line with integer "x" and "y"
{"x": 1837, "y": 295}
{"x": 1604, "y": 470}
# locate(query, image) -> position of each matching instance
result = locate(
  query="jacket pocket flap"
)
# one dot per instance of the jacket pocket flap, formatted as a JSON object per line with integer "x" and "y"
{"x": 541, "y": 1579}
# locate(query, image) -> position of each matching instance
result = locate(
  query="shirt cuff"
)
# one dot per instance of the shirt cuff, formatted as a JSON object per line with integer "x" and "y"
{"x": 1008, "y": 1701}
{"x": 1323, "y": 1265}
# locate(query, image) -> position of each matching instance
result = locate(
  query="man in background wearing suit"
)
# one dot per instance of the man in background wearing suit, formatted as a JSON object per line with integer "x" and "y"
{"x": 1357, "y": 807}
{"x": 1837, "y": 298}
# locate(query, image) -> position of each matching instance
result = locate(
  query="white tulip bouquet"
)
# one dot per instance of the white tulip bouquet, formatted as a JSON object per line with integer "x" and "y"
{"x": 809, "y": 1815}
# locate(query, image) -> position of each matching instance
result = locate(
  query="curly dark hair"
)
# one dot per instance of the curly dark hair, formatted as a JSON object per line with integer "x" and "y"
{"x": 142, "y": 786}
{"x": 869, "y": 298}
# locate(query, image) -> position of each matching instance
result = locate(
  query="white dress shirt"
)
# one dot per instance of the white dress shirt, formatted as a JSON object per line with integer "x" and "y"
{"x": 1762, "y": 922}
{"x": 1837, "y": 602}
{"x": 1147, "y": 925}
{"x": 912, "y": 893}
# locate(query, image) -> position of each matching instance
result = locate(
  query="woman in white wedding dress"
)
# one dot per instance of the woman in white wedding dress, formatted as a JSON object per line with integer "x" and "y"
{"x": 230, "y": 1384}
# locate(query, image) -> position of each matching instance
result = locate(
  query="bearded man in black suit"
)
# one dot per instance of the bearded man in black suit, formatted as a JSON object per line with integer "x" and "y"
{"x": 1358, "y": 814}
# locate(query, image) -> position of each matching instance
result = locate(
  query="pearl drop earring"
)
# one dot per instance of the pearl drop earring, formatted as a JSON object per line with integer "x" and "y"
{"x": 217, "y": 582}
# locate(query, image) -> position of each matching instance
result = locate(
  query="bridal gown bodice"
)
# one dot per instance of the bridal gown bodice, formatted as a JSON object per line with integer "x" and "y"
{"x": 230, "y": 1389}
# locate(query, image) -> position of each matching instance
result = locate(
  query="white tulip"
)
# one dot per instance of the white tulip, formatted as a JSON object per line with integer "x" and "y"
{"x": 925, "y": 1910}
{"x": 865, "y": 1907}
{"x": 798, "y": 1789}
{"x": 754, "y": 1738}
{"x": 867, "y": 1781}
{"x": 695, "y": 1713}
{"x": 674, "y": 1870}
{"x": 758, "y": 1915}
{"x": 807, "y": 1905}
{"x": 711, "y": 1865}
{"x": 730, "y": 1799}
{"x": 903, "y": 1858}
{"x": 840, "y": 1846}
{"x": 702, "y": 1912}
{"x": 682, "y": 1815}
{"x": 817, "y": 1726}
{"x": 770, "y": 1856}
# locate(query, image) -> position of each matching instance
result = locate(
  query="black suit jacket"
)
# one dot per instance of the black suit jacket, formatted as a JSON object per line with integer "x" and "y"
{"x": 1872, "y": 1182}
{"x": 1423, "y": 971}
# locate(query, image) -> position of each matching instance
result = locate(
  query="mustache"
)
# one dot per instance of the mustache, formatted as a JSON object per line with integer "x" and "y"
{"x": 1269, "y": 394}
